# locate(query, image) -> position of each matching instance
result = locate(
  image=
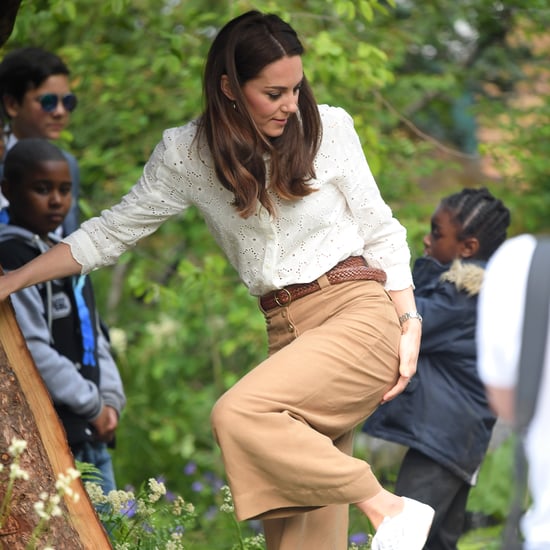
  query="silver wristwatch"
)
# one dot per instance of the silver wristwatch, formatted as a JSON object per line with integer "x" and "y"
{"x": 409, "y": 315}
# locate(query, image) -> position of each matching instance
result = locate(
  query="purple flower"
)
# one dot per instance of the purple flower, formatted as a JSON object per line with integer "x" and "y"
{"x": 190, "y": 468}
{"x": 129, "y": 510}
{"x": 214, "y": 481}
{"x": 147, "y": 527}
{"x": 197, "y": 486}
{"x": 255, "y": 525}
{"x": 211, "y": 513}
{"x": 359, "y": 538}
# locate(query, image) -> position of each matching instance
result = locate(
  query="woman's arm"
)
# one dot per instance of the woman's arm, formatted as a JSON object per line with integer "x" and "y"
{"x": 502, "y": 402}
{"x": 409, "y": 345}
{"x": 56, "y": 263}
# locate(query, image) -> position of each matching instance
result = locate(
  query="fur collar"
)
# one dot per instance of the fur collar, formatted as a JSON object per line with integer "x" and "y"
{"x": 466, "y": 276}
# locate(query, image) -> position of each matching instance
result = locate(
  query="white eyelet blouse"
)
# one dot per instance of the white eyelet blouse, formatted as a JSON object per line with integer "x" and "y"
{"x": 346, "y": 216}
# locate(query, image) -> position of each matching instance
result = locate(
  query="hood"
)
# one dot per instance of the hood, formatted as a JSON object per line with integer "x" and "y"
{"x": 9, "y": 232}
{"x": 467, "y": 276}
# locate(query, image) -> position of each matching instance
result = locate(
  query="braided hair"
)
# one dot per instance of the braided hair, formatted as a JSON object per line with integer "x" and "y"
{"x": 477, "y": 213}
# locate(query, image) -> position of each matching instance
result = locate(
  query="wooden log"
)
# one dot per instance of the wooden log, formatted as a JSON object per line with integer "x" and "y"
{"x": 27, "y": 412}
{"x": 8, "y": 13}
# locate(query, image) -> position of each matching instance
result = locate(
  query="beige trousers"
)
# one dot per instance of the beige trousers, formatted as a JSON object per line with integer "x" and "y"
{"x": 285, "y": 429}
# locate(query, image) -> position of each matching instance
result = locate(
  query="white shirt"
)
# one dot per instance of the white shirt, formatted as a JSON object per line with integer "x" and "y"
{"x": 500, "y": 324}
{"x": 307, "y": 237}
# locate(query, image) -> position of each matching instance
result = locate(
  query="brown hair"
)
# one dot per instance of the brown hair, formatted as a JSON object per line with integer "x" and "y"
{"x": 241, "y": 50}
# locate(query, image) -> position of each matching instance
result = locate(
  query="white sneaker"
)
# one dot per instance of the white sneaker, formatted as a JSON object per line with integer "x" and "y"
{"x": 406, "y": 531}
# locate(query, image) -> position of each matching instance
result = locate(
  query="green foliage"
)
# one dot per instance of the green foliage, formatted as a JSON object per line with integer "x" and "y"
{"x": 492, "y": 495}
{"x": 481, "y": 539}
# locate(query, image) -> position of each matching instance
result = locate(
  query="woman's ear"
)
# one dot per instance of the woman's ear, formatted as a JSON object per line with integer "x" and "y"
{"x": 469, "y": 247}
{"x": 226, "y": 88}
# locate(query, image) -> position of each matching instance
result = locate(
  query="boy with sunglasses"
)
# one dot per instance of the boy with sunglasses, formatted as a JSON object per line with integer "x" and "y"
{"x": 36, "y": 101}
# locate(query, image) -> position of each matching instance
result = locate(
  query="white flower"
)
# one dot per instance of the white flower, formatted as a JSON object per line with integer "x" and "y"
{"x": 16, "y": 472}
{"x": 39, "y": 508}
{"x": 177, "y": 506}
{"x": 227, "y": 506}
{"x": 95, "y": 492}
{"x": 157, "y": 489}
{"x": 17, "y": 446}
{"x": 119, "y": 500}
{"x": 55, "y": 511}
{"x": 174, "y": 544}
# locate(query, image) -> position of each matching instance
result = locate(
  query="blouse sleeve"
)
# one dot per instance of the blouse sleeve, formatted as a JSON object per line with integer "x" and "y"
{"x": 156, "y": 197}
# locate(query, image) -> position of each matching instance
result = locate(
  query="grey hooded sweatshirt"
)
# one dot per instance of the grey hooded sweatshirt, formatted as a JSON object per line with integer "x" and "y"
{"x": 48, "y": 315}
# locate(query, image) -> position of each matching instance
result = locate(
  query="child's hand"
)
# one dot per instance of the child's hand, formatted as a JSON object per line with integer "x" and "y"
{"x": 106, "y": 424}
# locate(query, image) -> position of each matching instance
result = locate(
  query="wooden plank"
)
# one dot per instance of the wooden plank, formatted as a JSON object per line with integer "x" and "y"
{"x": 27, "y": 413}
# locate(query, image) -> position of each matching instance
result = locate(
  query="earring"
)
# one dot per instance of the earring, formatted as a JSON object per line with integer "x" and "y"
{"x": 234, "y": 103}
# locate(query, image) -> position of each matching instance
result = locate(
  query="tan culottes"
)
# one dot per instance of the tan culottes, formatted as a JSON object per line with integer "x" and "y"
{"x": 285, "y": 429}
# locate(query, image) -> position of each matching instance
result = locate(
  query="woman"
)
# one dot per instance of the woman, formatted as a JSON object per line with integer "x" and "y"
{"x": 286, "y": 191}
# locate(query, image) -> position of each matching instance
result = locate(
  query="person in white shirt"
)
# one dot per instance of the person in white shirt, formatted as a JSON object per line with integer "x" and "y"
{"x": 284, "y": 186}
{"x": 499, "y": 335}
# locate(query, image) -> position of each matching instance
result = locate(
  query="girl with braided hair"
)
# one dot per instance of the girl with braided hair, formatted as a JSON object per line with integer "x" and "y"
{"x": 443, "y": 415}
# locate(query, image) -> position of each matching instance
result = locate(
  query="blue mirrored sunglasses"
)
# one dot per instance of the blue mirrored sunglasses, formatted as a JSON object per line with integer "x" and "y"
{"x": 49, "y": 102}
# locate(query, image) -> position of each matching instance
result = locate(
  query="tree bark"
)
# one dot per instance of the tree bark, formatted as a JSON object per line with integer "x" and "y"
{"x": 8, "y": 13}
{"x": 26, "y": 412}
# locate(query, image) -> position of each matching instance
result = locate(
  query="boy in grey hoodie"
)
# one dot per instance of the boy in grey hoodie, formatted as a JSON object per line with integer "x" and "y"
{"x": 58, "y": 319}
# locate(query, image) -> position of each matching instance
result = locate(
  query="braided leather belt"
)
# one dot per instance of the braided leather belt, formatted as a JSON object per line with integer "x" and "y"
{"x": 353, "y": 268}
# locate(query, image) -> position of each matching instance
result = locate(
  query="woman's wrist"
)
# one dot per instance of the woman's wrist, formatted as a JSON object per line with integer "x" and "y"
{"x": 407, "y": 316}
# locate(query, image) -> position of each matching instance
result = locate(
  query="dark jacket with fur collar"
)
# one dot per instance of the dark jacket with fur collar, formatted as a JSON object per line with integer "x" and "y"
{"x": 443, "y": 413}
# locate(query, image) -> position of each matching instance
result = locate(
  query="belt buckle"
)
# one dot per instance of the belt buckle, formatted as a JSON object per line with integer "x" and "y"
{"x": 285, "y": 298}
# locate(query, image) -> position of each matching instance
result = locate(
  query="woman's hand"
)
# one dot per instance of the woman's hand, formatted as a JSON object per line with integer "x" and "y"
{"x": 409, "y": 344}
{"x": 409, "y": 347}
